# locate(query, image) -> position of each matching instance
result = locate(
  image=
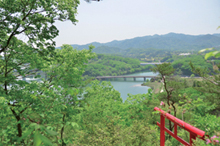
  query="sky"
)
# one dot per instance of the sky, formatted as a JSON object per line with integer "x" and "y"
{"x": 110, "y": 20}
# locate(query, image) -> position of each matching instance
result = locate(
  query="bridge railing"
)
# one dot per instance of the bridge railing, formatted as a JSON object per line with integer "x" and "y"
{"x": 194, "y": 132}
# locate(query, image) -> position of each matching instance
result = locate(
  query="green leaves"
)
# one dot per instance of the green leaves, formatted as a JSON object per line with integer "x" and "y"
{"x": 207, "y": 49}
{"x": 39, "y": 139}
{"x": 40, "y": 103}
{"x": 165, "y": 69}
{"x": 50, "y": 132}
{"x": 210, "y": 54}
{"x": 28, "y": 105}
{"x": 73, "y": 124}
{"x": 19, "y": 18}
{"x": 27, "y": 133}
{"x": 45, "y": 140}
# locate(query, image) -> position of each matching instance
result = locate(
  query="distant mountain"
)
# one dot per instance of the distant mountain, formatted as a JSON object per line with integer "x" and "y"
{"x": 217, "y": 34}
{"x": 86, "y": 46}
{"x": 171, "y": 41}
{"x": 107, "y": 50}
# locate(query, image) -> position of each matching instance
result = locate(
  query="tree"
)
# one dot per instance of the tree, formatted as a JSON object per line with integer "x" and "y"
{"x": 165, "y": 70}
{"x": 183, "y": 64}
{"x": 30, "y": 110}
{"x": 210, "y": 83}
{"x": 34, "y": 20}
{"x": 171, "y": 85}
{"x": 106, "y": 120}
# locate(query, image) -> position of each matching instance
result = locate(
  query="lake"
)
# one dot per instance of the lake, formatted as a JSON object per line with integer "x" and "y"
{"x": 125, "y": 87}
{"x": 131, "y": 86}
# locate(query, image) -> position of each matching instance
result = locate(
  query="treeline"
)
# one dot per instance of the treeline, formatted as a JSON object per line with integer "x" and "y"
{"x": 112, "y": 65}
{"x": 149, "y": 55}
{"x": 143, "y": 54}
{"x": 181, "y": 64}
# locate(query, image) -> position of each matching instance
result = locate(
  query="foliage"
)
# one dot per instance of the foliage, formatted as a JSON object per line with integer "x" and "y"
{"x": 54, "y": 108}
{"x": 105, "y": 120}
{"x": 183, "y": 64}
{"x": 215, "y": 53}
{"x": 35, "y": 20}
{"x": 109, "y": 65}
{"x": 33, "y": 111}
{"x": 209, "y": 85}
{"x": 59, "y": 107}
{"x": 147, "y": 54}
{"x": 172, "y": 85}
{"x": 47, "y": 104}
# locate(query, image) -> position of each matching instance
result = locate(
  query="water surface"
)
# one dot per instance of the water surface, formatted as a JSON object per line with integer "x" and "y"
{"x": 131, "y": 86}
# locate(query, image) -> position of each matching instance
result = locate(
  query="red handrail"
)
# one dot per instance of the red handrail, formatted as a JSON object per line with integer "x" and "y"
{"x": 194, "y": 132}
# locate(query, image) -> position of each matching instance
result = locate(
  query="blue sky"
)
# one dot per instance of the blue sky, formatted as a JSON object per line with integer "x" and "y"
{"x": 110, "y": 20}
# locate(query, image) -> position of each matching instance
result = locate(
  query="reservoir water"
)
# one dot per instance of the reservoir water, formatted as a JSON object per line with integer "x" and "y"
{"x": 126, "y": 87}
{"x": 131, "y": 86}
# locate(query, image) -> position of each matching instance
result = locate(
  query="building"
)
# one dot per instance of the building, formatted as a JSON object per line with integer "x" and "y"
{"x": 184, "y": 54}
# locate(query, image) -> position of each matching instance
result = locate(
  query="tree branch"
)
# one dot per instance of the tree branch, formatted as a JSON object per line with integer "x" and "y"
{"x": 211, "y": 81}
{"x": 13, "y": 33}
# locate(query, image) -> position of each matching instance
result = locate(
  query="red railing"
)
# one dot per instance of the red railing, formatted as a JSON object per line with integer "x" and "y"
{"x": 194, "y": 132}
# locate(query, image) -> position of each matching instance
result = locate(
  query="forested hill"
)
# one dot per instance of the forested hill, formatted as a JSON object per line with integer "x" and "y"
{"x": 171, "y": 41}
{"x": 110, "y": 65}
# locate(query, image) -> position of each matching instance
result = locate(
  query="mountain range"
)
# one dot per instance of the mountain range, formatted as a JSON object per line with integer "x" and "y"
{"x": 170, "y": 41}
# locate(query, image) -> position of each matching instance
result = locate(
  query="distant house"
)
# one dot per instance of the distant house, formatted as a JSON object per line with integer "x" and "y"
{"x": 184, "y": 54}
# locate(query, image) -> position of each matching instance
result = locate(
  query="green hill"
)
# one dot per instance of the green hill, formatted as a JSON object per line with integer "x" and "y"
{"x": 171, "y": 41}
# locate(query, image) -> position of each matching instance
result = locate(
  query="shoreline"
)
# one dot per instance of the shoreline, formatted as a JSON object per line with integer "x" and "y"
{"x": 155, "y": 86}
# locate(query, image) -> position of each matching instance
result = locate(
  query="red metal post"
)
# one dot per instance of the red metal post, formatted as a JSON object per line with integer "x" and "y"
{"x": 194, "y": 132}
{"x": 175, "y": 129}
{"x": 181, "y": 123}
{"x": 175, "y": 136}
{"x": 192, "y": 137}
{"x": 162, "y": 130}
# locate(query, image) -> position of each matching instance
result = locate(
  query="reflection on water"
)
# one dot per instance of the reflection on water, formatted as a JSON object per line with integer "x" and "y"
{"x": 131, "y": 86}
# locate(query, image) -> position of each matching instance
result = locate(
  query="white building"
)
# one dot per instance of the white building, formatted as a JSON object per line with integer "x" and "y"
{"x": 184, "y": 54}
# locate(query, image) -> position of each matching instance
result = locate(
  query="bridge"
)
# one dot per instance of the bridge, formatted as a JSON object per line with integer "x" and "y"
{"x": 113, "y": 77}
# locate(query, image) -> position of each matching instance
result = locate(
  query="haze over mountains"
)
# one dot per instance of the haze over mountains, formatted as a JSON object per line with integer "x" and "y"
{"x": 171, "y": 41}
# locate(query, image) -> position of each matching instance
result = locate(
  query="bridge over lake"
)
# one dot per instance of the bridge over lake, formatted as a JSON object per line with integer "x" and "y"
{"x": 113, "y": 77}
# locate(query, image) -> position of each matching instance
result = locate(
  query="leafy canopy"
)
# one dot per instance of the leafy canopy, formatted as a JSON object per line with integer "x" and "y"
{"x": 34, "y": 20}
